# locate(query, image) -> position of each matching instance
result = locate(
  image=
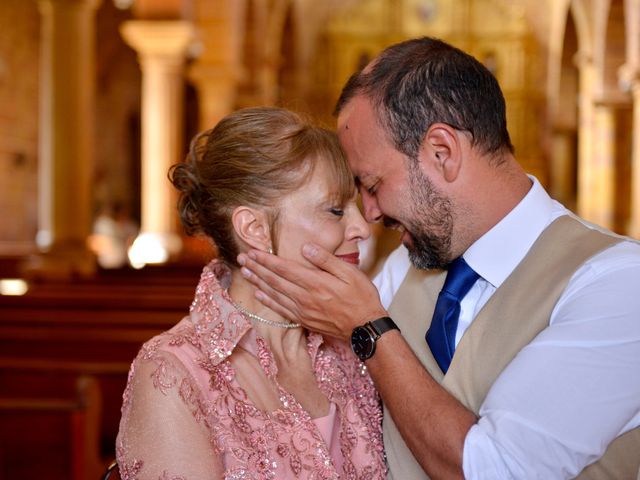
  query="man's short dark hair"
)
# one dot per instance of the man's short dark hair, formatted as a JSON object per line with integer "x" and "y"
{"x": 423, "y": 81}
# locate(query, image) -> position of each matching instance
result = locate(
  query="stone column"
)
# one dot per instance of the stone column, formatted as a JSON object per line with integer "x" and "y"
{"x": 629, "y": 77}
{"x": 602, "y": 165}
{"x": 563, "y": 165}
{"x": 586, "y": 172}
{"x": 218, "y": 69}
{"x": 161, "y": 47}
{"x": 634, "y": 224}
{"x": 67, "y": 90}
{"x": 217, "y": 86}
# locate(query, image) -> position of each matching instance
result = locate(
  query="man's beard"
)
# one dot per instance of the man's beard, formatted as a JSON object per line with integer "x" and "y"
{"x": 431, "y": 223}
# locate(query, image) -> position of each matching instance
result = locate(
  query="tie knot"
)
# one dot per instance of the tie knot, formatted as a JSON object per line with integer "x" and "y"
{"x": 460, "y": 278}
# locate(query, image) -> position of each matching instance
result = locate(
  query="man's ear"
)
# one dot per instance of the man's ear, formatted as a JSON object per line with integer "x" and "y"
{"x": 251, "y": 225}
{"x": 442, "y": 149}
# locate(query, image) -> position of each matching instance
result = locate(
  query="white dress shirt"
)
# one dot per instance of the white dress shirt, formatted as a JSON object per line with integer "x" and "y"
{"x": 576, "y": 386}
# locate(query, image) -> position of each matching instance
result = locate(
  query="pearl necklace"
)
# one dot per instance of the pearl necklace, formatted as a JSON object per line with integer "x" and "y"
{"x": 266, "y": 321}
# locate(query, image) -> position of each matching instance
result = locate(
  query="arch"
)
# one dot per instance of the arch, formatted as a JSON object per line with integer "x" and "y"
{"x": 288, "y": 65}
{"x": 617, "y": 104}
{"x": 613, "y": 50}
{"x": 564, "y": 126}
{"x": 584, "y": 29}
{"x": 265, "y": 23}
{"x": 561, "y": 13}
{"x": 632, "y": 28}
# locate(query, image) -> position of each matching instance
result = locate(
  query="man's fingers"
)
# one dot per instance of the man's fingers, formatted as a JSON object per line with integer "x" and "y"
{"x": 275, "y": 269}
{"x": 262, "y": 272}
{"x": 277, "y": 307}
{"x": 277, "y": 290}
{"x": 325, "y": 260}
{"x": 330, "y": 298}
{"x": 271, "y": 298}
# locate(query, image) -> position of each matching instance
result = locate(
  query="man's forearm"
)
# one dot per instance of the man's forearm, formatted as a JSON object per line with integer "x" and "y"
{"x": 432, "y": 422}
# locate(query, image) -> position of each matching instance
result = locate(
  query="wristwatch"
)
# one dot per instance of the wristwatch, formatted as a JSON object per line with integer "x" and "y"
{"x": 364, "y": 337}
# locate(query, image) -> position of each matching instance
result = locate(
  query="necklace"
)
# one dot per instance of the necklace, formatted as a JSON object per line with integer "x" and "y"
{"x": 266, "y": 321}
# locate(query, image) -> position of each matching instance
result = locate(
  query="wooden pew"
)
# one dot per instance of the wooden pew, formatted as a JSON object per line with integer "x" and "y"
{"x": 53, "y": 434}
{"x": 60, "y": 333}
{"x": 49, "y": 378}
{"x": 89, "y": 322}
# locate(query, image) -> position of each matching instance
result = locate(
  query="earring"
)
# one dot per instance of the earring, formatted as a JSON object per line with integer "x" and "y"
{"x": 270, "y": 251}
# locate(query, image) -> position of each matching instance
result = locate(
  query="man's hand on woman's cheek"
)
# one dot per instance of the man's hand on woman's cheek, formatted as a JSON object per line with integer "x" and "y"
{"x": 331, "y": 299}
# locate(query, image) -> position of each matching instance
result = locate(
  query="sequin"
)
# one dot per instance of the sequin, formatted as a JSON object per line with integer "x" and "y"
{"x": 251, "y": 443}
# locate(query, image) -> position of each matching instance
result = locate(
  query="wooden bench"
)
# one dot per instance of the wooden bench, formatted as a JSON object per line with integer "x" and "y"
{"x": 57, "y": 343}
{"x": 89, "y": 322}
{"x": 43, "y": 381}
{"x": 53, "y": 435}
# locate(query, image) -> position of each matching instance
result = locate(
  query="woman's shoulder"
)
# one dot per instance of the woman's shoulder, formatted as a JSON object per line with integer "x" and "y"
{"x": 175, "y": 350}
{"x": 167, "y": 361}
{"x": 179, "y": 340}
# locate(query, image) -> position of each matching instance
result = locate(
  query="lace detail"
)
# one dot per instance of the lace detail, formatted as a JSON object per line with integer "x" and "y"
{"x": 164, "y": 379}
{"x": 191, "y": 362}
{"x": 128, "y": 468}
{"x": 165, "y": 476}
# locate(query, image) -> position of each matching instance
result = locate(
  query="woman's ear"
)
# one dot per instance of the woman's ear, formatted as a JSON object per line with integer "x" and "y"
{"x": 251, "y": 225}
{"x": 442, "y": 150}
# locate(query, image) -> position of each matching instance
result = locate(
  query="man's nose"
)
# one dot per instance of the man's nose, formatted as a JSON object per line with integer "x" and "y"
{"x": 371, "y": 209}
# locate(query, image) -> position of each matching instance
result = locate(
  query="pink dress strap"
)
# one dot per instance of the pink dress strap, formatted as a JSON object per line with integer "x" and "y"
{"x": 329, "y": 428}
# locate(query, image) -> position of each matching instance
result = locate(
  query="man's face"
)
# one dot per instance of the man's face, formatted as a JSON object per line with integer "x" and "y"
{"x": 395, "y": 189}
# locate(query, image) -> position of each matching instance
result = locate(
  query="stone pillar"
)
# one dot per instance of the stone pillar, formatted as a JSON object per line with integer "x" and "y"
{"x": 563, "y": 166}
{"x": 217, "y": 71}
{"x": 161, "y": 47}
{"x": 629, "y": 77}
{"x": 67, "y": 90}
{"x": 602, "y": 165}
{"x": 634, "y": 224}
{"x": 217, "y": 86}
{"x": 586, "y": 172}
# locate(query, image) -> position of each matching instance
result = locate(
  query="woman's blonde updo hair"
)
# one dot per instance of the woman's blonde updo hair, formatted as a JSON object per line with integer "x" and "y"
{"x": 252, "y": 157}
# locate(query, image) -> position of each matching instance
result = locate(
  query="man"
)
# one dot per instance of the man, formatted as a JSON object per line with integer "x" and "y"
{"x": 526, "y": 364}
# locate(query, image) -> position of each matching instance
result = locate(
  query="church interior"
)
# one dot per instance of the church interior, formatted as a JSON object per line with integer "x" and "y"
{"x": 100, "y": 97}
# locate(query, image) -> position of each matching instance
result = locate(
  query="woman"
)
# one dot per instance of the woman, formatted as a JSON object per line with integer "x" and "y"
{"x": 234, "y": 390}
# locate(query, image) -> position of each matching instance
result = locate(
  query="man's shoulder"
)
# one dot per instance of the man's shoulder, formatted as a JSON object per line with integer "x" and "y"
{"x": 625, "y": 252}
{"x": 600, "y": 228}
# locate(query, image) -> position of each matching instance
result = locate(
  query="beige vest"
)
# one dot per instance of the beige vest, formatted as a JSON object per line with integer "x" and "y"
{"x": 512, "y": 317}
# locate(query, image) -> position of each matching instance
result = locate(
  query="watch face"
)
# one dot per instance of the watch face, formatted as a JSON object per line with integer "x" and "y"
{"x": 362, "y": 343}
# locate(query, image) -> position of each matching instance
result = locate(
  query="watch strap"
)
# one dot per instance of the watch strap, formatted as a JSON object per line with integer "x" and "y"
{"x": 382, "y": 325}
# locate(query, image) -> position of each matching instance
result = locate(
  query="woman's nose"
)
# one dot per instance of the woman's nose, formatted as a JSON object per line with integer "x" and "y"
{"x": 358, "y": 228}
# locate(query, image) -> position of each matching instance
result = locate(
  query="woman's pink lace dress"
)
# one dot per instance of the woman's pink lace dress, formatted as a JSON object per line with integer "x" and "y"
{"x": 186, "y": 416}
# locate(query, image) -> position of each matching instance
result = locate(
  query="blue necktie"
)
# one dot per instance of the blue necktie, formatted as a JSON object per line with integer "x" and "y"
{"x": 442, "y": 332}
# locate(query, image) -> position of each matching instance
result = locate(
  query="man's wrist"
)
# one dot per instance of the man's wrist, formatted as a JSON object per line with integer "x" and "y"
{"x": 365, "y": 337}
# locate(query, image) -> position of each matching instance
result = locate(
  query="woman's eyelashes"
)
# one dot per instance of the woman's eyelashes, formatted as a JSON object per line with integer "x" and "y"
{"x": 337, "y": 211}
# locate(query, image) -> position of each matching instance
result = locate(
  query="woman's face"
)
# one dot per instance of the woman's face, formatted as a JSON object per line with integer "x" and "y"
{"x": 312, "y": 214}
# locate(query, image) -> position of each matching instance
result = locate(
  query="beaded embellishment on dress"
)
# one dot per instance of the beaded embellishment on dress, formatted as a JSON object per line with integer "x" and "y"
{"x": 192, "y": 361}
